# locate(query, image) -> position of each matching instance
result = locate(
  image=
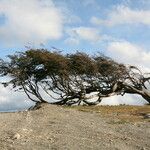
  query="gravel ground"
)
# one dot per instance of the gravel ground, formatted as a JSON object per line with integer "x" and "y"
{"x": 59, "y": 128}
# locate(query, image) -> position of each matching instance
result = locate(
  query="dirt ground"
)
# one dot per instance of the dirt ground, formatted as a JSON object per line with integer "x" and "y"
{"x": 82, "y": 128}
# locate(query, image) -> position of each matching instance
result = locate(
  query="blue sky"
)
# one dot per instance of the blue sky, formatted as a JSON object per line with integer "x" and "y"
{"x": 86, "y": 25}
{"x": 117, "y": 28}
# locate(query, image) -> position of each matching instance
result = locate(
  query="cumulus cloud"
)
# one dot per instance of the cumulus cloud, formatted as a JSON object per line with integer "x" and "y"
{"x": 13, "y": 101}
{"x": 129, "y": 53}
{"x": 83, "y": 33}
{"x": 30, "y": 21}
{"x": 10, "y": 100}
{"x": 132, "y": 54}
{"x": 126, "y": 99}
{"x": 124, "y": 15}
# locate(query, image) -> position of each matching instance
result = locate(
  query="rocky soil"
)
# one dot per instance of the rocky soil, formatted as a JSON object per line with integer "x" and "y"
{"x": 61, "y": 128}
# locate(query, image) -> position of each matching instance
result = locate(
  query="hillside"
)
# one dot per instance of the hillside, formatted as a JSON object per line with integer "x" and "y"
{"x": 79, "y": 128}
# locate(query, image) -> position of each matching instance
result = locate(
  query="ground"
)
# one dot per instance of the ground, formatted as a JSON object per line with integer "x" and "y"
{"x": 76, "y": 128}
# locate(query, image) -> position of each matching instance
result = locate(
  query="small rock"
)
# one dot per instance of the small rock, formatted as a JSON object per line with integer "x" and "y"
{"x": 147, "y": 116}
{"x": 16, "y": 136}
{"x": 143, "y": 148}
{"x": 125, "y": 138}
{"x": 110, "y": 140}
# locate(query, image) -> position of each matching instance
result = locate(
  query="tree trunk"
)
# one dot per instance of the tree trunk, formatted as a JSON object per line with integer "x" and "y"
{"x": 146, "y": 98}
{"x": 145, "y": 93}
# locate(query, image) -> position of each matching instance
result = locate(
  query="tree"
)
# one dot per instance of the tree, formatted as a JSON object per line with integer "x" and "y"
{"x": 72, "y": 78}
{"x": 136, "y": 83}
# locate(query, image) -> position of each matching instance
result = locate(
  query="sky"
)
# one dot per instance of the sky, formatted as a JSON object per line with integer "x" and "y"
{"x": 117, "y": 28}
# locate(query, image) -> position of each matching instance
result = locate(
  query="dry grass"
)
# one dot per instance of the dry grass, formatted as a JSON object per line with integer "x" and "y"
{"x": 123, "y": 113}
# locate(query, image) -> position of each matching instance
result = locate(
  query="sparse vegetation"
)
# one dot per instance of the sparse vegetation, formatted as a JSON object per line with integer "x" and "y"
{"x": 63, "y": 127}
{"x": 124, "y": 113}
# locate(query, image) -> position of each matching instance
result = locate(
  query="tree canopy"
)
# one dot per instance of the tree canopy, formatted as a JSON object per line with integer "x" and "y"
{"x": 72, "y": 78}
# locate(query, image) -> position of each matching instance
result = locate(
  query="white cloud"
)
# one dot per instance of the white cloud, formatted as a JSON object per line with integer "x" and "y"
{"x": 124, "y": 15}
{"x": 126, "y": 99}
{"x": 13, "y": 101}
{"x": 10, "y": 100}
{"x": 86, "y": 33}
{"x": 72, "y": 41}
{"x": 96, "y": 21}
{"x": 129, "y": 53}
{"x": 30, "y": 21}
{"x": 83, "y": 33}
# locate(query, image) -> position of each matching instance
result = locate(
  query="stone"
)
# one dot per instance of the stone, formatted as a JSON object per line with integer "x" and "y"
{"x": 16, "y": 136}
{"x": 147, "y": 116}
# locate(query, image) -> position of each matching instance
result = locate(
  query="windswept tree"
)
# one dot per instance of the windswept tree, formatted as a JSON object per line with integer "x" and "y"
{"x": 72, "y": 78}
{"x": 136, "y": 82}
